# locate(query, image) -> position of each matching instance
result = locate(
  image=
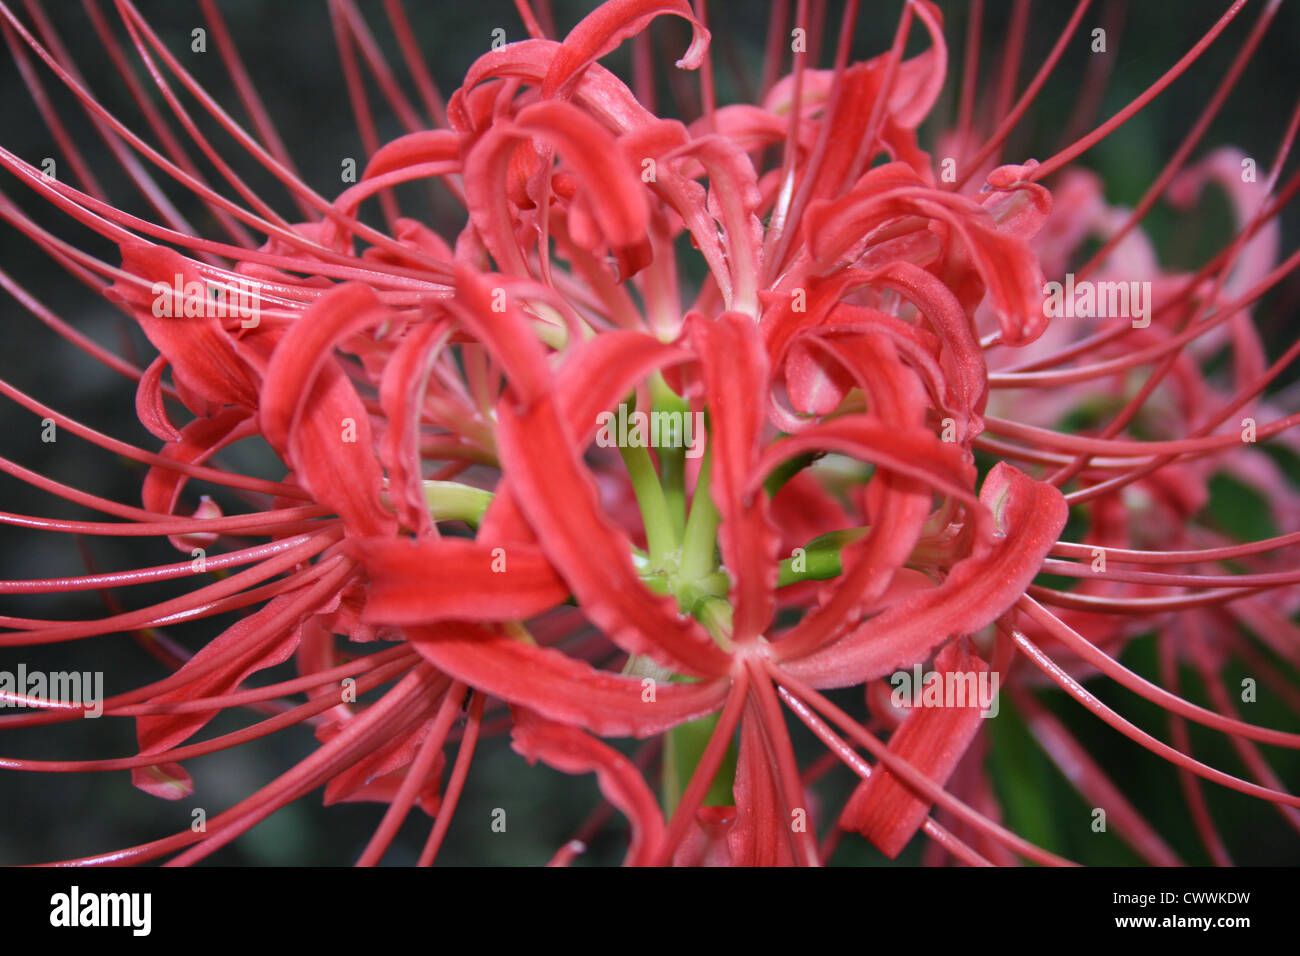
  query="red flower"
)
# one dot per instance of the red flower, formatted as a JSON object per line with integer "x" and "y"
{"x": 868, "y": 505}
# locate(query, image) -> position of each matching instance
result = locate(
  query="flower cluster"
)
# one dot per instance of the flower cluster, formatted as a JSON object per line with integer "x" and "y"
{"x": 690, "y": 426}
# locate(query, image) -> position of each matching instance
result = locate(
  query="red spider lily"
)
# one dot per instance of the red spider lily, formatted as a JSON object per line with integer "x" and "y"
{"x": 436, "y": 405}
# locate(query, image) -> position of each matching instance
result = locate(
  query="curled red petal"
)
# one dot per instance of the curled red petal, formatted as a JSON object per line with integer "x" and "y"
{"x": 379, "y": 775}
{"x": 157, "y": 733}
{"x": 306, "y": 347}
{"x": 761, "y": 834}
{"x": 311, "y": 412}
{"x": 413, "y": 149}
{"x": 201, "y": 353}
{"x": 417, "y": 582}
{"x": 555, "y": 492}
{"x": 557, "y": 495}
{"x": 913, "y": 453}
{"x": 598, "y": 90}
{"x": 932, "y": 739}
{"x": 601, "y": 31}
{"x": 149, "y": 407}
{"x": 496, "y": 320}
{"x": 569, "y": 750}
{"x": 1004, "y": 263}
{"x": 1029, "y": 516}
{"x": 560, "y": 687}
{"x": 735, "y": 371}
{"x": 400, "y": 394}
{"x": 608, "y": 181}
{"x": 196, "y": 443}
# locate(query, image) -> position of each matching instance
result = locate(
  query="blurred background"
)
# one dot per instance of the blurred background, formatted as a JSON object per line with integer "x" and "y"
{"x": 291, "y": 54}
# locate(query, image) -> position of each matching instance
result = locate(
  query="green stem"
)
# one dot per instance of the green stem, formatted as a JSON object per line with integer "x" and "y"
{"x": 817, "y": 566}
{"x": 715, "y": 613}
{"x": 787, "y": 470}
{"x": 660, "y": 536}
{"x": 685, "y": 744}
{"x": 683, "y": 749}
{"x": 452, "y": 501}
{"x": 820, "y": 559}
{"x": 699, "y": 542}
{"x": 672, "y": 472}
{"x": 672, "y": 459}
